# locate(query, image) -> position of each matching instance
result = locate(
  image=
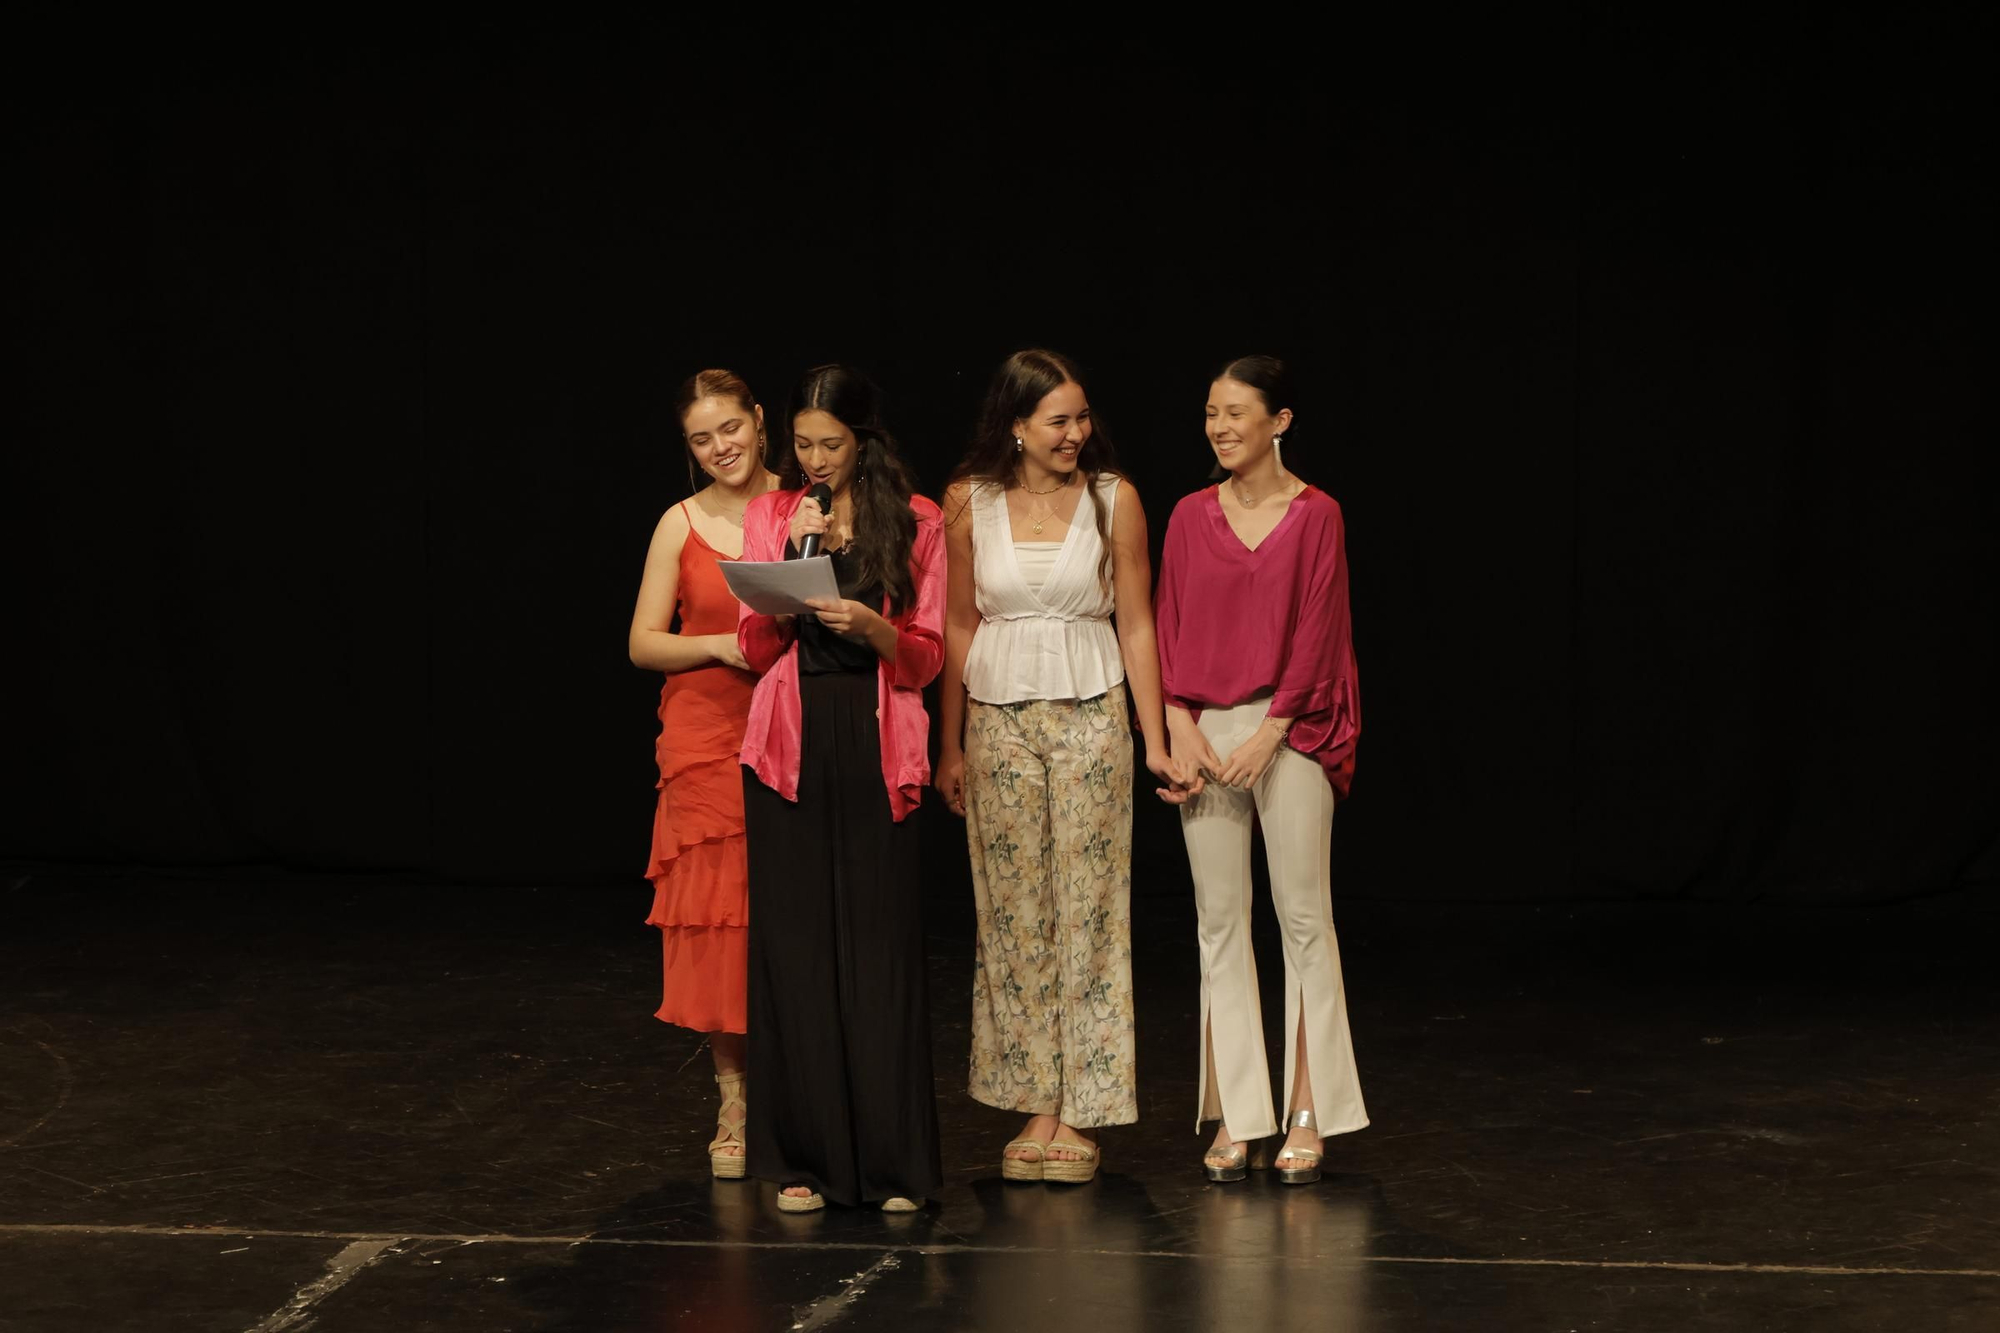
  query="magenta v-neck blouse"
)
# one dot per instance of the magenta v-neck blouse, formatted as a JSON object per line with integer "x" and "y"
{"x": 1234, "y": 623}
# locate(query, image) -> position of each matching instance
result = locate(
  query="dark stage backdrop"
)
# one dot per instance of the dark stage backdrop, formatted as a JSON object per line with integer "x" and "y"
{"x": 1650, "y": 368}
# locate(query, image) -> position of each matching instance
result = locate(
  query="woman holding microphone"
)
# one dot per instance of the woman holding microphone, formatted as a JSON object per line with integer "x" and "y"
{"x": 835, "y": 760}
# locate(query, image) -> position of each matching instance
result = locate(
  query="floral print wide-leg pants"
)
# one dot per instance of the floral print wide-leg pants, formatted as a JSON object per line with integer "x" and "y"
{"x": 1049, "y": 826}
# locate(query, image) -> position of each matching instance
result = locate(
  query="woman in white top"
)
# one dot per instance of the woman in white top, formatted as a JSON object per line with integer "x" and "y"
{"x": 1045, "y": 539}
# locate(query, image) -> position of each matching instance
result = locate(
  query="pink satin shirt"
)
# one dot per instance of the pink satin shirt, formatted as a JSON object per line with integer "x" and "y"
{"x": 1234, "y": 623}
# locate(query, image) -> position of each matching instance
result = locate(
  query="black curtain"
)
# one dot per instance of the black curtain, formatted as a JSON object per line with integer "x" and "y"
{"x": 1649, "y": 366}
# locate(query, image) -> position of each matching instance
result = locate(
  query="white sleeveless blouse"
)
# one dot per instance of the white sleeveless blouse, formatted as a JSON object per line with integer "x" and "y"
{"x": 1036, "y": 561}
{"x": 1053, "y": 643}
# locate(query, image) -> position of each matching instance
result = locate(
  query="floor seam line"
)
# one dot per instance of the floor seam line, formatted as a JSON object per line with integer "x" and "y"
{"x": 387, "y": 1238}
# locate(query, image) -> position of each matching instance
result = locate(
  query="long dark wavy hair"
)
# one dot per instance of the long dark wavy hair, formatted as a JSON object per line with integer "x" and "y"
{"x": 1021, "y": 382}
{"x": 885, "y": 531}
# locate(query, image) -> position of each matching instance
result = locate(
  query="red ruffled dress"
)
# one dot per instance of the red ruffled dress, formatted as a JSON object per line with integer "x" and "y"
{"x": 700, "y": 882}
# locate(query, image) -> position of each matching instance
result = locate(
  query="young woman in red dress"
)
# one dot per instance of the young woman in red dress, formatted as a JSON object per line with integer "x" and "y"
{"x": 685, "y": 626}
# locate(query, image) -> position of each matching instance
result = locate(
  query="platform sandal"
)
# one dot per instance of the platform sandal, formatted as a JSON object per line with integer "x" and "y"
{"x": 800, "y": 1203}
{"x": 1300, "y": 1175}
{"x": 898, "y": 1204}
{"x": 1057, "y": 1171}
{"x": 1024, "y": 1168}
{"x": 724, "y": 1165}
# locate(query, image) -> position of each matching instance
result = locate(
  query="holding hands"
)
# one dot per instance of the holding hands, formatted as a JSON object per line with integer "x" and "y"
{"x": 1194, "y": 760}
{"x": 949, "y": 779}
{"x": 1248, "y": 761}
{"x": 1183, "y": 779}
{"x": 1180, "y": 780}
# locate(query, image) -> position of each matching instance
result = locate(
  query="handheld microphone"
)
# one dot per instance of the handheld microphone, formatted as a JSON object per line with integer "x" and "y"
{"x": 822, "y": 495}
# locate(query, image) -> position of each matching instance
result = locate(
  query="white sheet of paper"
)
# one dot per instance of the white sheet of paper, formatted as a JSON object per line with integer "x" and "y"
{"x": 780, "y": 587}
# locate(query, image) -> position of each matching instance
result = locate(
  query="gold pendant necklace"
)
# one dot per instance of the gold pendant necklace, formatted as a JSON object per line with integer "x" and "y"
{"x": 1048, "y": 511}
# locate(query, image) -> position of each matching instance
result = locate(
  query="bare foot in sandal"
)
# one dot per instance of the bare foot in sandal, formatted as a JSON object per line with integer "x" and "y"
{"x": 1039, "y": 1129}
{"x": 1071, "y": 1145}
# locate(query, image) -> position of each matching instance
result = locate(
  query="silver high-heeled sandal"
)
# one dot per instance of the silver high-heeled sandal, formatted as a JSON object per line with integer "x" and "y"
{"x": 1239, "y": 1161}
{"x": 1300, "y": 1175}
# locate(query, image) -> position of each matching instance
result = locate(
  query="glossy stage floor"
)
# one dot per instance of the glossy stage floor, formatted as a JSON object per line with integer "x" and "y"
{"x": 337, "y": 1105}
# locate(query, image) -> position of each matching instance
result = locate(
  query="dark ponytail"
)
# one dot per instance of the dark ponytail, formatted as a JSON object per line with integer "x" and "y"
{"x": 1272, "y": 379}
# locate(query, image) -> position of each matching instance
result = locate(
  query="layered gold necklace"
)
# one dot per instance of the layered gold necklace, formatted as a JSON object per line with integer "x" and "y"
{"x": 1039, "y": 515}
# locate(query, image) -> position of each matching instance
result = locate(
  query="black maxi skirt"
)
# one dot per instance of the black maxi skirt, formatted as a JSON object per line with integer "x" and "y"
{"x": 841, "y": 1098}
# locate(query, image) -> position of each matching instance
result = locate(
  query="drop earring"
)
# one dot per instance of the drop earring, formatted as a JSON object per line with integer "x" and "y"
{"x": 1018, "y": 446}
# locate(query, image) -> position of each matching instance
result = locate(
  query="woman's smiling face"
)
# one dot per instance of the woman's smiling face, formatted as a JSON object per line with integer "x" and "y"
{"x": 827, "y": 449}
{"x": 1240, "y": 426}
{"x": 1053, "y": 435}
{"x": 725, "y": 438}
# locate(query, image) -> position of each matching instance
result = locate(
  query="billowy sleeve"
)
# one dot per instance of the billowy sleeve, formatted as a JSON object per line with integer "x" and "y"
{"x": 1310, "y": 677}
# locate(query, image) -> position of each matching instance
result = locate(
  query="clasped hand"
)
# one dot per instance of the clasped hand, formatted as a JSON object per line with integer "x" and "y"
{"x": 849, "y": 619}
{"x": 809, "y": 520}
{"x": 1194, "y": 760}
{"x": 1248, "y": 761}
{"x": 1182, "y": 779}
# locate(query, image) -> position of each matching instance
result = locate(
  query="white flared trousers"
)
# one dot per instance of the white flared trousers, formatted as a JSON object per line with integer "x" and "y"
{"x": 1294, "y": 803}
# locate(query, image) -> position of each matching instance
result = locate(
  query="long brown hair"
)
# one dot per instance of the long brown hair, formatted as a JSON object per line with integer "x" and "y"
{"x": 1021, "y": 382}
{"x": 885, "y": 531}
{"x": 708, "y": 384}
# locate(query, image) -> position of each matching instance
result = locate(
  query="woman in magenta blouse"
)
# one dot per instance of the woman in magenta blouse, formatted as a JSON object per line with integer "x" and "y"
{"x": 835, "y": 761}
{"x": 1257, "y": 665}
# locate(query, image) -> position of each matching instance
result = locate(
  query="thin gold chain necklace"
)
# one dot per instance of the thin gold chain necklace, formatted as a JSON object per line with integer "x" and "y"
{"x": 1249, "y": 503}
{"x": 1048, "y": 511}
